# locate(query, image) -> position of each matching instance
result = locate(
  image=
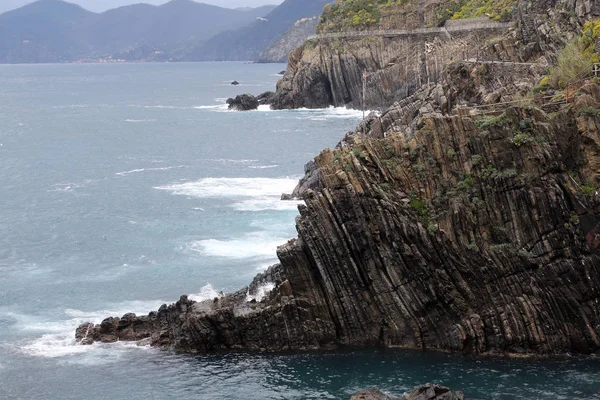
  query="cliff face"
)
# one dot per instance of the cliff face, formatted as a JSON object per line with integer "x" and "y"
{"x": 431, "y": 227}
{"x": 279, "y": 51}
{"x": 329, "y": 70}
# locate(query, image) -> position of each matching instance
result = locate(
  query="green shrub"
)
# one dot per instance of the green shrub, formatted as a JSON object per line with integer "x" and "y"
{"x": 495, "y": 9}
{"x": 521, "y": 139}
{"x": 576, "y": 58}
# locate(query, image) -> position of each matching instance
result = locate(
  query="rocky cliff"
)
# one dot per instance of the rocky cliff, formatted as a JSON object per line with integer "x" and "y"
{"x": 329, "y": 70}
{"x": 279, "y": 51}
{"x": 455, "y": 221}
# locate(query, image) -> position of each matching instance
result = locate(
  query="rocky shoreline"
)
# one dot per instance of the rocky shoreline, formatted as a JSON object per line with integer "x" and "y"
{"x": 464, "y": 218}
{"x": 425, "y": 229}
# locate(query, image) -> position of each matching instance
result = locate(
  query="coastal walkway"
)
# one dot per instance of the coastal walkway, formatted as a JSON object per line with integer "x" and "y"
{"x": 454, "y": 26}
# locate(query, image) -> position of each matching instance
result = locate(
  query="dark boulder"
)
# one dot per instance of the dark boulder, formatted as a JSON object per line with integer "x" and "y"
{"x": 266, "y": 97}
{"x": 243, "y": 102}
{"x": 235, "y": 83}
{"x": 434, "y": 392}
{"x": 373, "y": 395}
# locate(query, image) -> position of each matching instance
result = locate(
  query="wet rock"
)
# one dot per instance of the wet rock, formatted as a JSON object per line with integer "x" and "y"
{"x": 434, "y": 392}
{"x": 235, "y": 83}
{"x": 373, "y": 395}
{"x": 84, "y": 334}
{"x": 423, "y": 392}
{"x": 243, "y": 102}
{"x": 265, "y": 98}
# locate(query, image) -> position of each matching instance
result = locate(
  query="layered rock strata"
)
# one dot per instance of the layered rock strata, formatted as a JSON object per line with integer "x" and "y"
{"x": 329, "y": 71}
{"x": 449, "y": 222}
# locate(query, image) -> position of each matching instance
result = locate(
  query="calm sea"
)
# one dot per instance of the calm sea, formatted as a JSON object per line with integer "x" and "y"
{"x": 124, "y": 186}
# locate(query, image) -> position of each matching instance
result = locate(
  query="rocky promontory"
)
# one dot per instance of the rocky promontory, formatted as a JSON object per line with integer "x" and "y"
{"x": 464, "y": 218}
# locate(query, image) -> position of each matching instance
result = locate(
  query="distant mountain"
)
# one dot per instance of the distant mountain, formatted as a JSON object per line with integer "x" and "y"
{"x": 175, "y": 22}
{"x": 247, "y": 44}
{"x": 46, "y": 31}
{"x": 57, "y": 31}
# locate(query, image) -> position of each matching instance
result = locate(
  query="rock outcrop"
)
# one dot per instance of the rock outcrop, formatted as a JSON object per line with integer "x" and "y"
{"x": 423, "y": 392}
{"x": 243, "y": 102}
{"x": 464, "y": 218}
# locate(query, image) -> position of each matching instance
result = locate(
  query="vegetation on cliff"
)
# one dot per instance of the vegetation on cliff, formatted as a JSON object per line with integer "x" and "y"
{"x": 577, "y": 59}
{"x": 494, "y": 9}
{"x": 362, "y": 14}
{"x": 400, "y": 14}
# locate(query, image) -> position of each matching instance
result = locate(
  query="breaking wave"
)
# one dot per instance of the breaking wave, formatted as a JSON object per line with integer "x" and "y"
{"x": 232, "y": 187}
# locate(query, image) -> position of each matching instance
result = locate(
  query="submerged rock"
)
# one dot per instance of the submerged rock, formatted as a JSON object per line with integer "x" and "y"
{"x": 243, "y": 102}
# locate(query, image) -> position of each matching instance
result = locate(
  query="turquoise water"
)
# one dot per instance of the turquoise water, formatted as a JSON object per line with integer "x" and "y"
{"x": 125, "y": 186}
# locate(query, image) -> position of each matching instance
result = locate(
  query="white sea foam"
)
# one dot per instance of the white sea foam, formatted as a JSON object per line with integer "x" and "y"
{"x": 267, "y": 203}
{"x": 263, "y": 166}
{"x": 248, "y": 194}
{"x": 316, "y": 114}
{"x": 72, "y": 106}
{"x": 133, "y": 171}
{"x": 215, "y": 107}
{"x": 65, "y": 187}
{"x": 207, "y": 292}
{"x": 167, "y": 107}
{"x": 233, "y": 187}
{"x": 231, "y": 161}
{"x": 261, "y": 292}
{"x": 140, "y": 120}
{"x": 261, "y": 245}
{"x": 58, "y": 337}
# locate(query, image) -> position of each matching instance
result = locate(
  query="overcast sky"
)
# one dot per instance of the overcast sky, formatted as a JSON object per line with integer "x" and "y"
{"x": 103, "y": 5}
